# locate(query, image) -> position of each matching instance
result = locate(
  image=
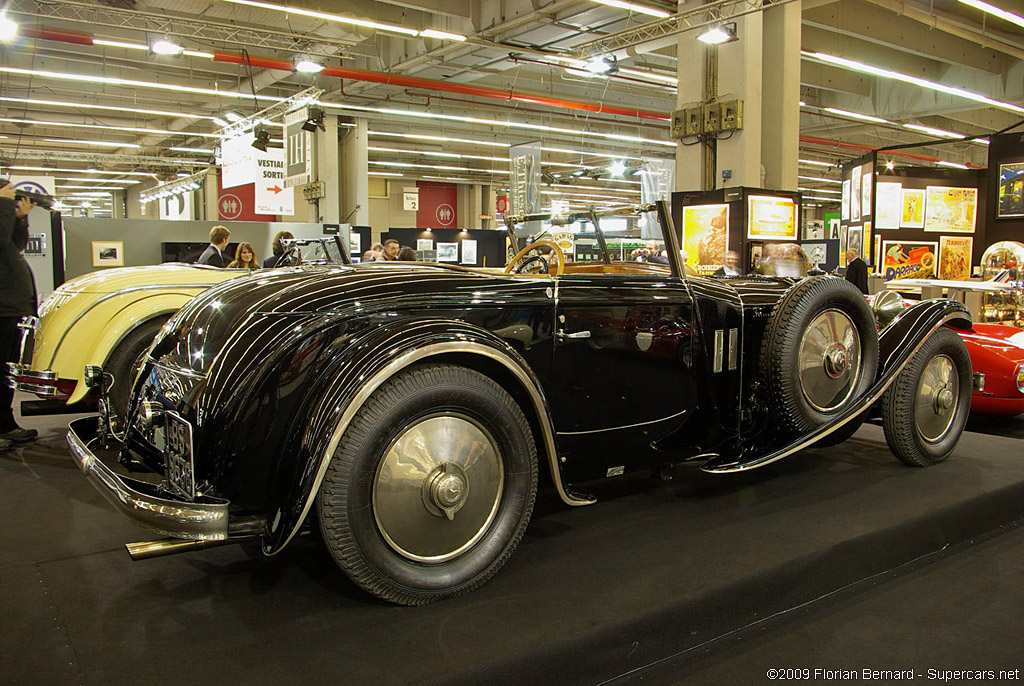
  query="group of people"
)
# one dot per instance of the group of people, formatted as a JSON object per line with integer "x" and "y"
{"x": 389, "y": 251}
{"x": 245, "y": 254}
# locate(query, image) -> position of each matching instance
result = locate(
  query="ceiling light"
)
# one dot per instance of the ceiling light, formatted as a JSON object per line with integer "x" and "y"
{"x": 602, "y": 65}
{"x": 438, "y": 139}
{"x": 441, "y": 35}
{"x": 328, "y": 17}
{"x": 202, "y": 151}
{"x": 819, "y": 190}
{"x": 438, "y": 166}
{"x": 220, "y": 122}
{"x": 119, "y": 44}
{"x": 262, "y": 137}
{"x": 890, "y": 165}
{"x": 94, "y": 79}
{"x": 716, "y": 35}
{"x": 112, "y": 108}
{"x": 307, "y": 66}
{"x": 955, "y": 165}
{"x": 803, "y": 104}
{"x": 857, "y": 115}
{"x": 617, "y": 168}
{"x": 34, "y": 122}
{"x": 198, "y": 53}
{"x": 314, "y": 120}
{"x": 942, "y": 133}
{"x": 664, "y": 78}
{"x": 233, "y": 116}
{"x": 83, "y": 179}
{"x": 91, "y": 171}
{"x": 820, "y": 180}
{"x": 380, "y": 173}
{"x": 816, "y": 163}
{"x": 109, "y": 144}
{"x": 633, "y": 7}
{"x": 906, "y": 78}
{"x": 995, "y": 11}
{"x": 166, "y": 47}
{"x": 8, "y": 28}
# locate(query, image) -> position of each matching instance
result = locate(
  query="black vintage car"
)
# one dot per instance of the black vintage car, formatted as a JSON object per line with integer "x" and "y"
{"x": 406, "y": 411}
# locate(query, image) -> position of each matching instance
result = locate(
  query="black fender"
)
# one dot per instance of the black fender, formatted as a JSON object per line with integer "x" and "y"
{"x": 897, "y": 343}
{"x": 347, "y": 382}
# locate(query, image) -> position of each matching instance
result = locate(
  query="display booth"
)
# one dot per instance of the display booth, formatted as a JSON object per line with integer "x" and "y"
{"x": 470, "y": 247}
{"x": 749, "y": 221}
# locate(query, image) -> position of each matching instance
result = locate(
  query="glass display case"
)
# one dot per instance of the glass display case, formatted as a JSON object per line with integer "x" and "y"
{"x": 1003, "y": 262}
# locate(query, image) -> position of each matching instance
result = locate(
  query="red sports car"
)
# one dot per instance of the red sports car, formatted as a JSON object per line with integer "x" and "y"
{"x": 997, "y": 355}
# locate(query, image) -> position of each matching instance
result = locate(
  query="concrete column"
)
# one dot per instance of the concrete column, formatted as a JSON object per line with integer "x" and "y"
{"x": 211, "y": 198}
{"x": 117, "y": 205}
{"x": 780, "y": 109}
{"x": 739, "y": 76}
{"x": 355, "y": 182}
{"x": 690, "y": 158}
{"x": 328, "y": 167}
{"x": 490, "y": 205}
{"x": 475, "y": 207}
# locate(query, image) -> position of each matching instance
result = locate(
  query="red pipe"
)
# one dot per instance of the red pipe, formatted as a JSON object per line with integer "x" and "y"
{"x": 866, "y": 148}
{"x": 450, "y": 87}
{"x": 61, "y": 36}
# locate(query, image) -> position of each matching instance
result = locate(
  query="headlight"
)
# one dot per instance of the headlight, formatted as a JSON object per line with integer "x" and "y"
{"x": 1020, "y": 378}
{"x": 887, "y": 305}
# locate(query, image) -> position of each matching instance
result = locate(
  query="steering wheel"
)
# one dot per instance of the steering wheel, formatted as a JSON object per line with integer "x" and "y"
{"x": 290, "y": 257}
{"x": 511, "y": 267}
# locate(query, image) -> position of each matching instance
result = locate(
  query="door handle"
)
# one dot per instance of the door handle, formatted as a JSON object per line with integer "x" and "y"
{"x": 562, "y": 336}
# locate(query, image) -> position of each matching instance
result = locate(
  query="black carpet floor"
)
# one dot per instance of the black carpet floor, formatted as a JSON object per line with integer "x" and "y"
{"x": 837, "y": 559}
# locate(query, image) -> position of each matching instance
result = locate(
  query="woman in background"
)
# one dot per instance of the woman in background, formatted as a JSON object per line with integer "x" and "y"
{"x": 278, "y": 249}
{"x": 245, "y": 257}
{"x": 406, "y": 254}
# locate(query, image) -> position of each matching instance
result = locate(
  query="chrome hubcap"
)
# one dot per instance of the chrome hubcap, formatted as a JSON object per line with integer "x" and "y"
{"x": 935, "y": 401}
{"x": 438, "y": 488}
{"x": 829, "y": 360}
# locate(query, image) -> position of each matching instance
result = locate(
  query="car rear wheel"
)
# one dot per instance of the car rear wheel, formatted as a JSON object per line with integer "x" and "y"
{"x": 431, "y": 487}
{"x": 925, "y": 410}
{"x": 125, "y": 361}
{"x": 819, "y": 353}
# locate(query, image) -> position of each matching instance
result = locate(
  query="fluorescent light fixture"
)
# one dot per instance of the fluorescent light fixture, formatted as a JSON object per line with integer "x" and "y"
{"x": 656, "y": 76}
{"x": 328, "y": 17}
{"x": 931, "y": 131}
{"x": 955, "y": 165}
{"x": 108, "y": 144}
{"x": 220, "y": 122}
{"x": 816, "y": 163}
{"x": 995, "y": 11}
{"x": 633, "y": 7}
{"x": 202, "y": 151}
{"x": 820, "y": 190}
{"x": 820, "y": 180}
{"x": 853, "y": 65}
{"x": 198, "y": 53}
{"x": 857, "y": 115}
{"x": 617, "y": 168}
{"x": 119, "y": 44}
{"x": 73, "y": 171}
{"x": 380, "y": 173}
{"x": 716, "y": 35}
{"x": 8, "y": 28}
{"x": 166, "y": 47}
{"x": 91, "y": 188}
{"x": 307, "y": 66}
{"x": 444, "y": 178}
{"x": 109, "y": 108}
{"x": 440, "y": 167}
{"x": 233, "y": 116}
{"x": 815, "y": 197}
{"x": 432, "y": 153}
{"x": 109, "y": 80}
{"x": 803, "y": 104}
{"x": 35, "y": 122}
{"x": 82, "y": 179}
{"x": 438, "y": 139}
{"x": 441, "y": 35}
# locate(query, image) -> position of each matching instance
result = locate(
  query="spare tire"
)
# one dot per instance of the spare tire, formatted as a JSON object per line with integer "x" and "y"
{"x": 819, "y": 352}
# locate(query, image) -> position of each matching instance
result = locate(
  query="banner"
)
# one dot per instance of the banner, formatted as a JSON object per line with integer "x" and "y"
{"x": 437, "y": 206}
{"x": 237, "y": 166}
{"x": 955, "y": 257}
{"x": 271, "y": 195}
{"x": 239, "y": 205}
{"x": 299, "y": 147}
{"x": 705, "y": 236}
{"x": 908, "y": 260}
{"x": 524, "y": 184}
{"x": 888, "y": 202}
{"x": 950, "y": 210}
{"x": 771, "y": 218}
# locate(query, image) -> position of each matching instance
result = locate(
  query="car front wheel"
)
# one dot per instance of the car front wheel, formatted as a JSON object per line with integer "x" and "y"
{"x": 431, "y": 486}
{"x": 925, "y": 410}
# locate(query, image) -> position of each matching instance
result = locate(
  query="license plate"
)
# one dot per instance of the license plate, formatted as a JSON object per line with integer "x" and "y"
{"x": 178, "y": 462}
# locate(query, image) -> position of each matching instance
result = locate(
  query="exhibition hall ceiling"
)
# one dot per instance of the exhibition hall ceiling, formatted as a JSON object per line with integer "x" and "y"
{"x": 84, "y": 86}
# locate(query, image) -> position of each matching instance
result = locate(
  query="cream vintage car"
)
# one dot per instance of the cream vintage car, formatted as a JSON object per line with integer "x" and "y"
{"x": 105, "y": 318}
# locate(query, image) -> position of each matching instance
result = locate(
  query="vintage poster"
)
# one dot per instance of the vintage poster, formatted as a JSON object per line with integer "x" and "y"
{"x": 950, "y": 210}
{"x": 912, "y": 215}
{"x": 866, "y": 187}
{"x": 814, "y": 229}
{"x": 705, "y": 236}
{"x": 877, "y": 261}
{"x": 855, "y": 239}
{"x": 844, "y": 213}
{"x": 855, "y": 196}
{"x": 108, "y": 253}
{"x": 888, "y": 201}
{"x": 447, "y": 252}
{"x": 424, "y": 244}
{"x": 955, "y": 257}
{"x": 866, "y": 242}
{"x": 908, "y": 259}
{"x": 771, "y": 218}
{"x": 469, "y": 251}
{"x": 1011, "y": 190}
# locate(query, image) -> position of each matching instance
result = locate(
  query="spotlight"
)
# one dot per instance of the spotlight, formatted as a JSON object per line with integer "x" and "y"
{"x": 308, "y": 66}
{"x": 314, "y": 120}
{"x": 166, "y": 47}
{"x": 262, "y": 138}
{"x": 8, "y": 28}
{"x": 602, "y": 65}
{"x": 617, "y": 168}
{"x": 716, "y": 35}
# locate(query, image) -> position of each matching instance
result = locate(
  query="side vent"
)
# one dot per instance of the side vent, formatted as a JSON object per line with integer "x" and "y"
{"x": 719, "y": 350}
{"x": 734, "y": 348}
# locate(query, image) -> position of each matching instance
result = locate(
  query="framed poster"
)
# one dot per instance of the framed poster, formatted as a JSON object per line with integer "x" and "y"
{"x": 468, "y": 251}
{"x": 888, "y": 198}
{"x": 833, "y": 227}
{"x": 855, "y": 239}
{"x": 844, "y": 211}
{"x": 855, "y": 195}
{"x": 447, "y": 252}
{"x": 955, "y": 257}
{"x": 1011, "y": 190}
{"x": 814, "y": 229}
{"x": 705, "y": 236}
{"x": 424, "y": 244}
{"x": 912, "y": 214}
{"x": 771, "y": 218}
{"x": 756, "y": 252}
{"x": 865, "y": 242}
{"x": 950, "y": 210}
{"x": 867, "y": 177}
{"x": 877, "y": 261}
{"x": 908, "y": 259}
{"x": 108, "y": 253}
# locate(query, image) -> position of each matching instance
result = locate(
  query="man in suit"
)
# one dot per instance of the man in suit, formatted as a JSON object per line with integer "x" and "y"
{"x": 857, "y": 270}
{"x": 214, "y": 254}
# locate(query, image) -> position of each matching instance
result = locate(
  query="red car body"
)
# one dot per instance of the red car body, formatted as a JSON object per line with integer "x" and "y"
{"x": 996, "y": 351}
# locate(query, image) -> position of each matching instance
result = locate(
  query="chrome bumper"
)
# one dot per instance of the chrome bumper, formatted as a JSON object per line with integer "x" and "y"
{"x": 21, "y": 377}
{"x": 142, "y": 502}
